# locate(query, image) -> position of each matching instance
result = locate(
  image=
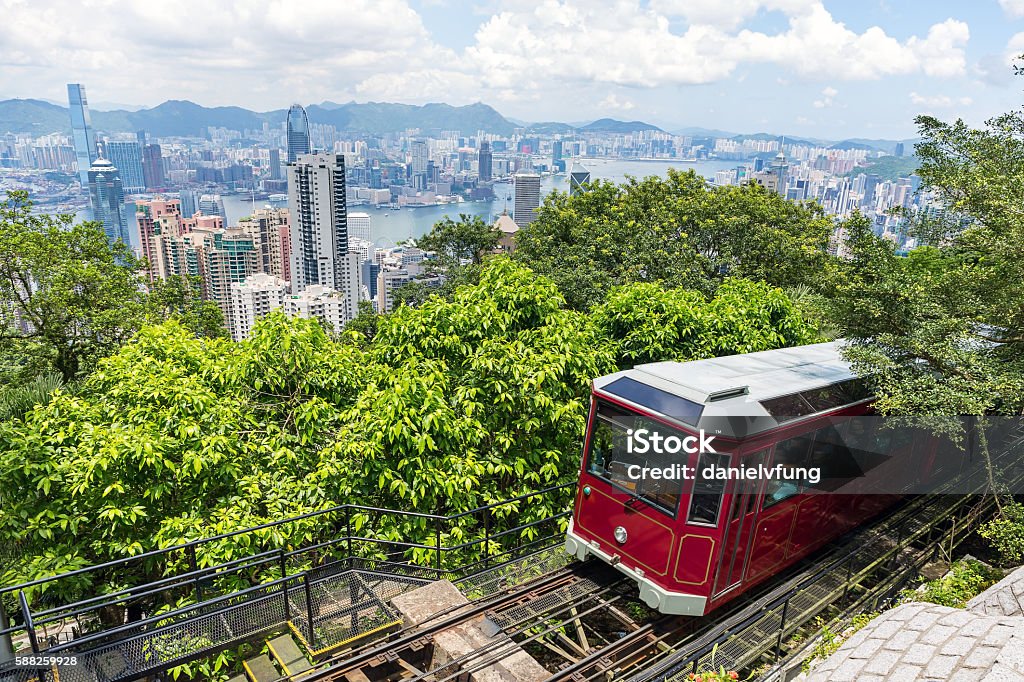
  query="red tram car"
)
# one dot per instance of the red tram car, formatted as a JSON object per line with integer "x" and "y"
{"x": 694, "y": 544}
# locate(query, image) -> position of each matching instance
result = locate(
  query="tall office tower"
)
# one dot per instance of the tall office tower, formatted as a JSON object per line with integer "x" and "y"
{"x": 226, "y": 256}
{"x": 140, "y": 137}
{"x": 578, "y": 177}
{"x": 556, "y": 150}
{"x": 779, "y": 169}
{"x": 275, "y": 163}
{"x": 81, "y": 131}
{"x": 269, "y": 229}
{"x": 252, "y": 299}
{"x": 484, "y": 162}
{"x": 152, "y": 166}
{"x": 189, "y": 202}
{"x": 899, "y": 149}
{"x": 298, "y": 132}
{"x": 871, "y": 182}
{"x": 319, "y": 220}
{"x": 107, "y": 198}
{"x": 527, "y": 198}
{"x": 359, "y": 226}
{"x": 212, "y": 204}
{"x": 420, "y": 155}
{"x": 127, "y": 157}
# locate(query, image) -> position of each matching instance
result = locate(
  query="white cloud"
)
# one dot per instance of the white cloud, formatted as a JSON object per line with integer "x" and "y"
{"x": 827, "y": 96}
{"x": 1013, "y": 8}
{"x": 267, "y": 53}
{"x": 939, "y": 101}
{"x": 998, "y": 68}
{"x": 614, "y": 103}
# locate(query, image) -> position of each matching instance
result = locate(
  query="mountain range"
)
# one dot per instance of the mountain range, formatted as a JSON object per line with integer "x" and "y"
{"x": 181, "y": 118}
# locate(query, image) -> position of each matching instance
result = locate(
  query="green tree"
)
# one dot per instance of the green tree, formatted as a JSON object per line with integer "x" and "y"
{"x": 181, "y": 298}
{"x": 467, "y": 239}
{"x": 67, "y": 296}
{"x": 675, "y": 231}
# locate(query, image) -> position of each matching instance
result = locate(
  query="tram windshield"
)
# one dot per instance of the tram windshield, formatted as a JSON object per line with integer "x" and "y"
{"x": 610, "y": 457}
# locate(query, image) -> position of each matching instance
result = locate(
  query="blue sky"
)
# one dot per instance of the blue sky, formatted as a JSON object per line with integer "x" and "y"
{"x": 800, "y": 67}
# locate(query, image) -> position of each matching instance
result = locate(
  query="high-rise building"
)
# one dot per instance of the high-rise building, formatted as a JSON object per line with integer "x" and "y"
{"x": 359, "y": 226}
{"x": 107, "y": 199}
{"x": 420, "y": 155}
{"x": 269, "y": 229}
{"x": 274, "y": 162}
{"x": 298, "y": 132}
{"x": 579, "y": 176}
{"x": 212, "y": 204}
{"x": 319, "y": 220}
{"x": 127, "y": 157}
{"x": 331, "y": 307}
{"x": 257, "y": 296}
{"x": 899, "y": 149}
{"x": 189, "y": 202}
{"x": 153, "y": 166}
{"x": 81, "y": 131}
{"x": 484, "y": 162}
{"x": 556, "y": 151}
{"x": 527, "y": 199}
{"x": 155, "y": 218}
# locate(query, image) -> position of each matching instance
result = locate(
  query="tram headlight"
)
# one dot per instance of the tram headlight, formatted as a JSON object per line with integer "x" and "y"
{"x": 620, "y": 535}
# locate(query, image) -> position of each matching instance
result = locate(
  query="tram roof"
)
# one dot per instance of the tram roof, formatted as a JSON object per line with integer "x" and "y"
{"x": 741, "y": 395}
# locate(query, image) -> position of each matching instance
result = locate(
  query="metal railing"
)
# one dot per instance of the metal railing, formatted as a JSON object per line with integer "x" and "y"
{"x": 219, "y": 605}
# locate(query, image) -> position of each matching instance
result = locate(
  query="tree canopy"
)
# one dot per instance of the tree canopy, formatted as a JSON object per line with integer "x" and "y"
{"x": 449, "y": 405}
{"x": 675, "y": 231}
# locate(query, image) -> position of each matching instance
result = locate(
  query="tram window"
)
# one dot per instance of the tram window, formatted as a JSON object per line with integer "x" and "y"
{"x": 706, "y": 499}
{"x": 833, "y": 458}
{"x": 827, "y": 398}
{"x": 660, "y": 401}
{"x": 789, "y": 454}
{"x": 787, "y": 407}
{"x": 609, "y": 457}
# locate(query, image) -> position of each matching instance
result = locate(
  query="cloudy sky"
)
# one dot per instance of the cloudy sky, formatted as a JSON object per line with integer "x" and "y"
{"x": 804, "y": 67}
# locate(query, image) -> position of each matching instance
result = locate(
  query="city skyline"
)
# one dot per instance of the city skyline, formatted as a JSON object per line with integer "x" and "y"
{"x": 802, "y": 66}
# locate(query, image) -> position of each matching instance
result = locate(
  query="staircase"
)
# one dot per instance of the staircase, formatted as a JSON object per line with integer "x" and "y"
{"x": 286, "y": 659}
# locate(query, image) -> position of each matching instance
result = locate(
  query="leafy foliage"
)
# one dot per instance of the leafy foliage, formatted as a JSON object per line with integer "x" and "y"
{"x": 675, "y": 231}
{"x": 1006, "y": 534}
{"x": 448, "y": 406}
{"x": 465, "y": 239}
{"x": 966, "y": 579}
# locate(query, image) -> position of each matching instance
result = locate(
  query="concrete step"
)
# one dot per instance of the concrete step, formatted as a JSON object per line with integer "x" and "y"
{"x": 289, "y": 655}
{"x": 261, "y": 669}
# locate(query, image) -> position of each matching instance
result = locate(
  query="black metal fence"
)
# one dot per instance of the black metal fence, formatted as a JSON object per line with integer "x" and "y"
{"x": 329, "y": 591}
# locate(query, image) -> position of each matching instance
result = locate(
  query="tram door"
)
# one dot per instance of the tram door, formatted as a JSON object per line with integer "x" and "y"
{"x": 739, "y": 529}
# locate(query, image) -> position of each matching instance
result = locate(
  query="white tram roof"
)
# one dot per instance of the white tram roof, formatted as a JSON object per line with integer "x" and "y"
{"x": 741, "y": 395}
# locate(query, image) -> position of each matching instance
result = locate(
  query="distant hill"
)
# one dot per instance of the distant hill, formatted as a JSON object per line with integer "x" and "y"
{"x": 889, "y": 167}
{"x": 550, "y": 128}
{"x": 696, "y": 131}
{"x": 852, "y": 144}
{"x": 33, "y": 116}
{"x": 610, "y": 125}
{"x": 181, "y": 118}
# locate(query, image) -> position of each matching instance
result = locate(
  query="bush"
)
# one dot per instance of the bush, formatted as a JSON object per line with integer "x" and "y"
{"x": 965, "y": 580}
{"x": 1006, "y": 534}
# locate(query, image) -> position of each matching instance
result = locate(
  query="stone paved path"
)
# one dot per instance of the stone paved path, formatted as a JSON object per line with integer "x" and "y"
{"x": 919, "y": 641}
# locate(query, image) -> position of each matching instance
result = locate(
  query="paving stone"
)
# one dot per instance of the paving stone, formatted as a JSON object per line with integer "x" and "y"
{"x": 882, "y": 662}
{"x": 868, "y": 648}
{"x": 958, "y": 646}
{"x": 1001, "y": 673}
{"x": 919, "y": 654}
{"x": 902, "y": 640}
{"x": 981, "y": 657}
{"x": 957, "y": 619}
{"x": 938, "y": 634}
{"x": 886, "y": 629}
{"x": 941, "y": 666}
{"x": 848, "y": 671}
{"x": 905, "y": 673}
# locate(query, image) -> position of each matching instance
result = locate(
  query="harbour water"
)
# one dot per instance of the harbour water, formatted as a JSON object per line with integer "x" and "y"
{"x": 389, "y": 226}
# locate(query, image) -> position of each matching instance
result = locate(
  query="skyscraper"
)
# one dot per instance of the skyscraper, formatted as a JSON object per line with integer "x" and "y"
{"x": 153, "y": 166}
{"x": 127, "y": 157}
{"x": 107, "y": 199}
{"x": 527, "y": 198}
{"x": 298, "y": 132}
{"x": 359, "y": 226}
{"x": 899, "y": 149}
{"x": 212, "y": 204}
{"x": 420, "y": 154}
{"x": 484, "y": 165}
{"x": 275, "y": 163}
{"x": 189, "y": 202}
{"x": 319, "y": 220}
{"x": 81, "y": 131}
{"x": 578, "y": 177}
